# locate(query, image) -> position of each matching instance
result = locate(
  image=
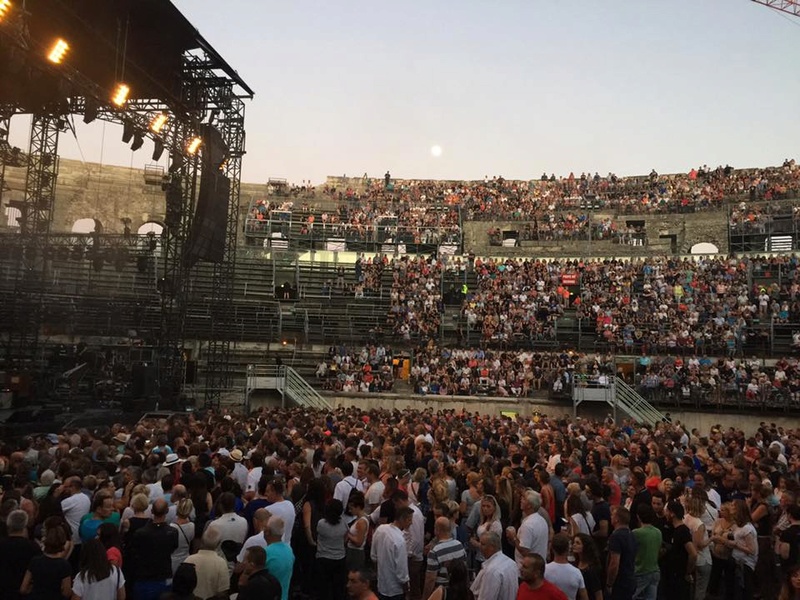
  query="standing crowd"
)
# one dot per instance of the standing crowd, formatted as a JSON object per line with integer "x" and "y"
{"x": 412, "y": 504}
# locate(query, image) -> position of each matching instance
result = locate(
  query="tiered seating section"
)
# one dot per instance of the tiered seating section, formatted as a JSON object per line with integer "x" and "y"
{"x": 425, "y": 215}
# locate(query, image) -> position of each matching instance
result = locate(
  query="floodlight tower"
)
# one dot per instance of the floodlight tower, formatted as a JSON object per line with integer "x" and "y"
{"x": 790, "y": 7}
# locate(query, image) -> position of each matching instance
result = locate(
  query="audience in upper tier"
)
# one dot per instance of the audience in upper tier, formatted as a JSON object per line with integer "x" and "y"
{"x": 431, "y": 212}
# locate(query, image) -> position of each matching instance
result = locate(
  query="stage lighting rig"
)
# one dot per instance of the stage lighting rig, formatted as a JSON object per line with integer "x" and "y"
{"x": 158, "y": 122}
{"x": 58, "y": 52}
{"x": 120, "y": 96}
{"x": 194, "y": 145}
{"x": 5, "y": 7}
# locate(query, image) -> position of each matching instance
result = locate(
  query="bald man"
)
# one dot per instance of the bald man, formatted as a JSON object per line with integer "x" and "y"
{"x": 155, "y": 542}
{"x": 444, "y": 551}
{"x": 260, "y": 520}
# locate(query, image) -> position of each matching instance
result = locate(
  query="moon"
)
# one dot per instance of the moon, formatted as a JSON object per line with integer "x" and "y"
{"x": 436, "y": 151}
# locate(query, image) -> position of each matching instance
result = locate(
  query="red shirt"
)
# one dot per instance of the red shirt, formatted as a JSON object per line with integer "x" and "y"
{"x": 546, "y": 592}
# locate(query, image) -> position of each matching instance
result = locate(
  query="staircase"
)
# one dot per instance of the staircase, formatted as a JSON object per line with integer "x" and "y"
{"x": 617, "y": 394}
{"x": 629, "y": 400}
{"x": 288, "y": 382}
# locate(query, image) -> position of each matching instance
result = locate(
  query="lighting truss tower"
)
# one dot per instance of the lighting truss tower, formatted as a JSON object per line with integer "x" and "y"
{"x": 37, "y": 213}
{"x": 791, "y": 7}
{"x": 5, "y": 147}
{"x": 218, "y": 363}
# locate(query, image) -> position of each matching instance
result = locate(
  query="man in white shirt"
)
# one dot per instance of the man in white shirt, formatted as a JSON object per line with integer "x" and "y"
{"x": 74, "y": 504}
{"x": 533, "y": 533}
{"x": 375, "y": 487}
{"x": 342, "y": 490}
{"x": 390, "y": 554}
{"x": 232, "y": 528}
{"x": 254, "y": 475}
{"x": 415, "y": 544}
{"x": 563, "y": 575}
{"x": 280, "y": 507}
{"x": 498, "y": 578}
{"x": 260, "y": 520}
{"x": 239, "y": 473}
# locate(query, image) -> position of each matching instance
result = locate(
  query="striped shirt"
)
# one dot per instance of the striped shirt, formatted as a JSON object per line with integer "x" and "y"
{"x": 444, "y": 552}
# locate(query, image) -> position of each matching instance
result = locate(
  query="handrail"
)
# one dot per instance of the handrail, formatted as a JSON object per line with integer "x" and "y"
{"x": 298, "y": 390}
{"x": 633, "y": 403}
{"x": 289, "y": 383}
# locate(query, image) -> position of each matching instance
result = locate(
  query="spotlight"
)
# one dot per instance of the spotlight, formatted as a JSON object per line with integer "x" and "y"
{"x": 127, "y": 132}
{"x": 158, "y": 149}
{"x": 58, "y": 51}
{"x": 138, "y": 141}
{"x": 194, "y": 145}
{"x": 90, "y": 110}
{"x": 120, "y": 96}
{"x": 158, "y": 122}
{"x": 5, "y": 6}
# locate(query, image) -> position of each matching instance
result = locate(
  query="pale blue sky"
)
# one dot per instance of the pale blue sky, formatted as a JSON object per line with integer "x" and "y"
{"x": 510, "y": 87}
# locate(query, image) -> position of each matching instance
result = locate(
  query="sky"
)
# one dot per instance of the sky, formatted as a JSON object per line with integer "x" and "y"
{"x": 510, "y": 87}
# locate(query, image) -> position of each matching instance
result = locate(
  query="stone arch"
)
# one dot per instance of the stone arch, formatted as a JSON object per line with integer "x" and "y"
{"x": 12, "y": 214}
{"x": 87, "y": 225}
{"x": 705, "y": 248}
{"x": 151, "y": 227}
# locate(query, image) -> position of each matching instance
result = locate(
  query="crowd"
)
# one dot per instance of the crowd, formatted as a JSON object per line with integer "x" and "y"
{"x": 415, "y": 503}
{"x": 415, "y": 298}
{"x": 714, "y": 305}
{"x": 368, "y": 369}
{"x": 428, "y": 212}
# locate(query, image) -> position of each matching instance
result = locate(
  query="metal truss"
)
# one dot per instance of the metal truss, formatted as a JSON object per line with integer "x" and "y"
{"x": 218, "y": 364}
{"x": 791, "y": 7}
{"x": 216, "y": 94}
{"x": 37, "y": 212}
{"x": 209, "y": 94}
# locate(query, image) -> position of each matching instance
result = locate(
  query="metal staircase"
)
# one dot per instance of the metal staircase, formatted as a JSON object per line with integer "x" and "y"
{"x": 619, "y": 395}
{"x": 288, "y": 382}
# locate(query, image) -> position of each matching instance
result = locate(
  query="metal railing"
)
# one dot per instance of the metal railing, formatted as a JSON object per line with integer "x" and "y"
{"x": 617, "y": 394}
{"x": 287, "y": 381}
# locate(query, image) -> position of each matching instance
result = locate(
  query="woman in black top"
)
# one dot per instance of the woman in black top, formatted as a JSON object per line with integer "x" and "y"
{"x": 587, "y": 559}
{"x": 49, "y": 575}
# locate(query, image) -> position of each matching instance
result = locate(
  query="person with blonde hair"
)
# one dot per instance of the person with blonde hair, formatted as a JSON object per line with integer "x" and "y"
{"x": 696, "y": 509}
{"x": 490, "y": 521}
{"x": 186, "y": 532}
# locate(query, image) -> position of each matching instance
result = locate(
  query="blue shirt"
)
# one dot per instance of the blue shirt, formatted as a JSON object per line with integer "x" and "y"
{"x": 280, "y": 563}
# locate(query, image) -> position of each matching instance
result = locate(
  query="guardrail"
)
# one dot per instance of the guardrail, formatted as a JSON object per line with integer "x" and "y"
{"x": 287, "y": 381}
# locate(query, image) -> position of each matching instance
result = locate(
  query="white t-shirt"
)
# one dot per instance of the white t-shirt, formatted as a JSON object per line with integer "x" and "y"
{"x": 285, "y": 510}
{"x": 230, "y": 527}
{"x": 253, "y": 477}
{"x": 374, "y": 494}
{"x": 104, "y": 589}
{"x": 533, "y": 534}
{"x": 253, "y": 540}
{"x": 565, "y": 577}
{"x": 74, "y": 508}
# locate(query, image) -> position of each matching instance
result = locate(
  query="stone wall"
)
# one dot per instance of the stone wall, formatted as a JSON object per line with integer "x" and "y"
{"x": 688, "y": 229}
{"x": 107, "y": 193}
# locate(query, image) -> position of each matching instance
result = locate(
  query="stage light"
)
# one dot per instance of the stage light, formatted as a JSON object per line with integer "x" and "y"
{"x": 127, "y": 132}
{"x": 158, "y": 122}
{"x": 5, "y": 6}
{"x": 158, "y": 149}
{"x": 138, "y": 141}
{"x": 120, "y": 96}
{"x": 58, "y": 52}
{"x": 194, "y": 145}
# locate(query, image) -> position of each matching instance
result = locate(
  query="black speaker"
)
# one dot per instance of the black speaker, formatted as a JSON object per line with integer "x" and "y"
{"x": 143, "y": 384}
{"x": 191, "y": 371}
